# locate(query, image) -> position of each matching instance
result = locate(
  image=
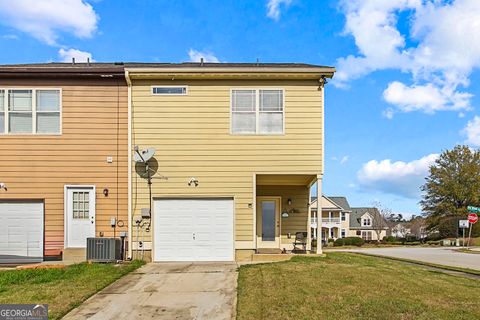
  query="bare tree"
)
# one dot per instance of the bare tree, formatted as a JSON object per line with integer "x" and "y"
{"x": 379, "y": 218}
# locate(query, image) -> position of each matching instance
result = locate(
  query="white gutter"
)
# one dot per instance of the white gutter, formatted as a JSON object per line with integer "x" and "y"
{"x": 129, "y": 84}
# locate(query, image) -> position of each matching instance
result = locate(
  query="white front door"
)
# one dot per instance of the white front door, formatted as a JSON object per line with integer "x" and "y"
{"x": 80, "y": 211}
{"x": 193, "y": 230}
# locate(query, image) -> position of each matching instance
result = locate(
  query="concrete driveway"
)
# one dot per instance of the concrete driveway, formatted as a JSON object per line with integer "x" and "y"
{"x": 167, "y": 291}
{"x": 443, "y": 255}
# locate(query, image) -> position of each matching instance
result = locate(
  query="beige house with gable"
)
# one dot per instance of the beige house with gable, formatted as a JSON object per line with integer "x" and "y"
{"x": 238, "y": 147}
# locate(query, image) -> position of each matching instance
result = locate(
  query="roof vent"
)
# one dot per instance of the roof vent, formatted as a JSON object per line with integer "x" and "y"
{"x": 73, "y": 60}
{"x": 201, "y": 62}
{"x": 88, "y": 62}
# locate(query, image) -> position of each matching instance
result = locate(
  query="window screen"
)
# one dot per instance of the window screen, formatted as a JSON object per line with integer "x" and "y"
{"x": 48, "y": 111}
{"x": 2, "y": 111}
{"x": 257, "y": 111}
{"x": 243, "y": 111}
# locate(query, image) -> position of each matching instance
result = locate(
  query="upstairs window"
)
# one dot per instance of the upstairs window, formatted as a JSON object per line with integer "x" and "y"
{"x": 257, "y": 111}
{"x": 343, "y": 216}
{"x": 30, "y": 111}
{"x": 367, "y": 222}
{"x": 169, "y": 90}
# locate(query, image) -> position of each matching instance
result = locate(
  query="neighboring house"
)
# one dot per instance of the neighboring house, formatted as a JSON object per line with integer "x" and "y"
{"x": 418, "y": 228}
{"x": 399, "y": 229}
{"x": 63, "y": 159}
{"x": 364, "y": 222}
{"x": 335, "y": 218}
{"x": 414, "y": 228}
{"x": 239, "y": 146}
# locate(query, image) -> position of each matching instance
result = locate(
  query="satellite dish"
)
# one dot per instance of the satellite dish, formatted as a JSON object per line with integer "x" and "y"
{"x": 144, "y": 155}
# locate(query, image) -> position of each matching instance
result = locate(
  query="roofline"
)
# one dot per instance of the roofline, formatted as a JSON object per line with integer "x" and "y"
{"x": 318, "y": 71}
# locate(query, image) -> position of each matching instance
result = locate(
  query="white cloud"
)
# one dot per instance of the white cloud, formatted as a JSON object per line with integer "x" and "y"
{"x": 45, "y": 20}
{"x": 427, "y": 98}
{"x": 400, "y": 178}
{"x": 273, "y": 8}
{"x": 207, "y": 56}
{"x": 344, "y": 159}
{"x": 80, "y": 56}
{"x": 443, "y": 53}
{"x": 472, "y": 131}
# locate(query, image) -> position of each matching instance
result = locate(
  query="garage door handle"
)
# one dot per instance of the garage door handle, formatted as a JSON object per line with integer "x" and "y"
{"x": 193, "y": 236}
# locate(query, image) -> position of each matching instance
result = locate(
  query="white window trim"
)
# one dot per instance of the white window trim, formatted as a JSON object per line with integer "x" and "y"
{"x": 343, "y": 233}
{"x": 34, "y": 111}
{"x": 257, "y": 112}
{"x": 169, "y": 94}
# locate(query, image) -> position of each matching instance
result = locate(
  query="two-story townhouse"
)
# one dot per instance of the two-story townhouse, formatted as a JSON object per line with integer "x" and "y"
{"x": 237, "y": 148}
{"x": 335, "y": 219}
{"x": 63, "y": 158}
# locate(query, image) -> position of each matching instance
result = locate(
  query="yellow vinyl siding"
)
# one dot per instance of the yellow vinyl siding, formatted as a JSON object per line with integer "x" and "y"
{"x": 94, "y": 126}
{"x": 192, "y": 136}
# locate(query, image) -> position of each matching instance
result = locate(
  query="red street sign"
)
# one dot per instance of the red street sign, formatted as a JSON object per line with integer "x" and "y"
{"x": 472, "y": 218}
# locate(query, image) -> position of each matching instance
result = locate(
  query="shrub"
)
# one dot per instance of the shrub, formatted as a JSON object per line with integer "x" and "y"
{"x": 433, "y": 243}
{"x": 389, "y": 239}
{"x": 339, "y": 242}
{"x": 330, "y": 240}
{"x": 353, "y": 241}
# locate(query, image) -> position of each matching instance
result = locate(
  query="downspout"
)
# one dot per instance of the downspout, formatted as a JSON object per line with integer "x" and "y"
{"x": 129, "y": 84}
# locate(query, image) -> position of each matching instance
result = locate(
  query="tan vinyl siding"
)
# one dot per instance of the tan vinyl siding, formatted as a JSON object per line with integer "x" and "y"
{"x": 94, "y": 126}
{"x": 192, "y": 136}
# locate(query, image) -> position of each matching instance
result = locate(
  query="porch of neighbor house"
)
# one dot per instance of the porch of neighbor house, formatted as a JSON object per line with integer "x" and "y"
{"x": 330, "y": 222}
{"x": 283, "y": 214}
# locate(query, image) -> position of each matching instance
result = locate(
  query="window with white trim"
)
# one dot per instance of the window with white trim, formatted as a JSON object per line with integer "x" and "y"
{"x": 343, "y": 233}
{"x": 257, "y": 111}
{"x": 367, "y": 235}
{"x": 27, "y": 111}
{"x": 367, "y": 222}
{"x": 343, "y": 216}
{"x": 169, "y": 90}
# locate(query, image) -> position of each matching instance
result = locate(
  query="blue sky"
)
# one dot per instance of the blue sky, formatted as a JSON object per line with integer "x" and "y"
{"x": 405, "y": 90}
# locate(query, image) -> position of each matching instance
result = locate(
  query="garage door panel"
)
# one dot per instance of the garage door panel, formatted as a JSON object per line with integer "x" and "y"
{"x": 193, "y": 230}
{"x": 22, "y": 230}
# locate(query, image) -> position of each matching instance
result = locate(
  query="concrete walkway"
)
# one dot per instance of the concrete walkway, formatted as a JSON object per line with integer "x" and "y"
{"x": 443, "y": 255}
{"x": 167, "y": 291}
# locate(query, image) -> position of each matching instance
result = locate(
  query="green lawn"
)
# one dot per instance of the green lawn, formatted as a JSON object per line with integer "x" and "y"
{"x": 62, "y": 289}
{"x": 350, "y": 286}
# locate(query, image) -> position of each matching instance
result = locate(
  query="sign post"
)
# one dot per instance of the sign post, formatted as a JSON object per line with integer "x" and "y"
{"x": 463, "y": 224}
{"x": 472, "y": 218}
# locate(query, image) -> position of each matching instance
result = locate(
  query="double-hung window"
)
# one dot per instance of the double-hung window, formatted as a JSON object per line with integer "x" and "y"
{"x": 257, "y": 111}
{"x": 30, "y": 111}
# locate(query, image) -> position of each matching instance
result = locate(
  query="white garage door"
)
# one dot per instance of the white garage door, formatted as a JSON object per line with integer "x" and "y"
{"x": 21, "y": 231}
{"x": 193, "y": 230}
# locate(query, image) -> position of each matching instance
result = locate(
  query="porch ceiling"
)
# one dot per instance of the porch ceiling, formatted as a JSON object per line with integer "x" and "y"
{"x": 285, "y": 179}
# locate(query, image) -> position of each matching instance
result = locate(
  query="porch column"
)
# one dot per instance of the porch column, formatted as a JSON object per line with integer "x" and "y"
{"x": 308, "y": 247}
{"x": 319, "y": 210}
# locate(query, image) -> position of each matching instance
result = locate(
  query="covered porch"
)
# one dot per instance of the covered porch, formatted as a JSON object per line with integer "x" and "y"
{"x": 283, "y": 214}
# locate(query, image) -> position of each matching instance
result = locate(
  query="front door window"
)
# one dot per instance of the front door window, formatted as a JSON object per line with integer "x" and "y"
{"x": 268, "y": 220}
